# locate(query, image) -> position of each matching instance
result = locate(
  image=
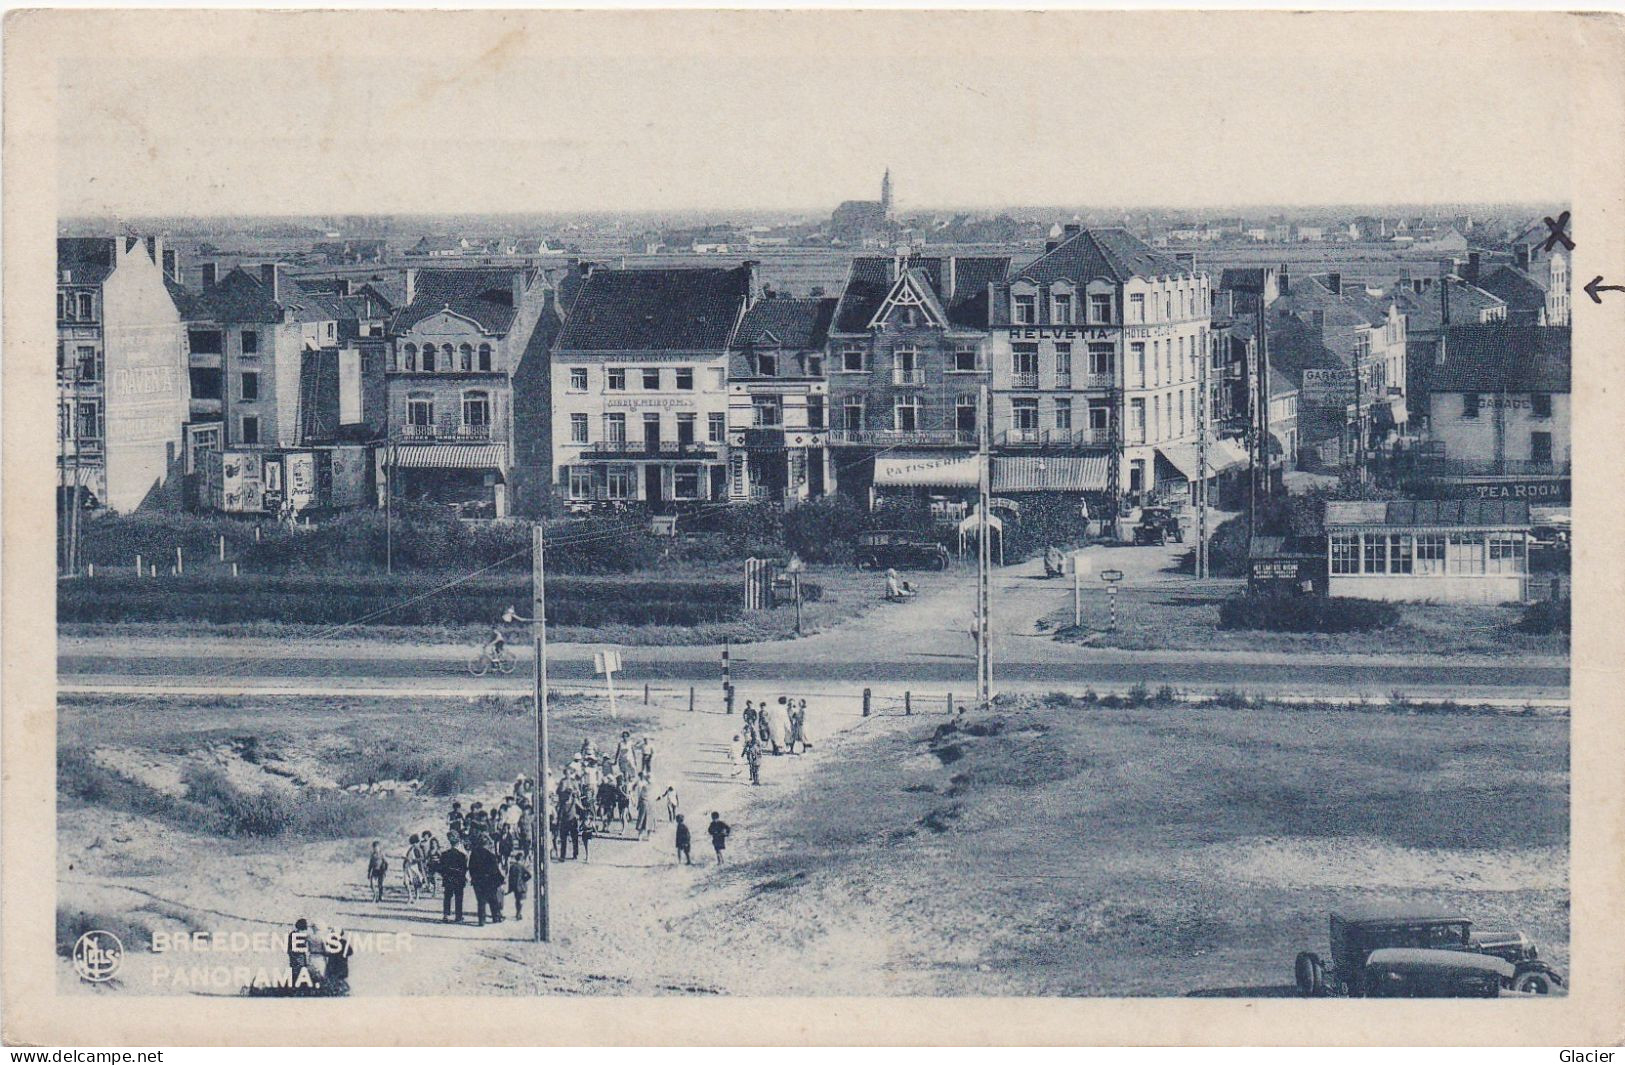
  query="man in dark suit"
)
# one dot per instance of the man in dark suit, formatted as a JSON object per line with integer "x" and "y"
{"x": 486, "y": 874}
{"x": 453, "y": 879}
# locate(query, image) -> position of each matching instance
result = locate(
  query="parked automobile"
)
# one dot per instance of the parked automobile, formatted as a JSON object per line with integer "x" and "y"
{"x": 1410, "y": 972}
{"x": 1358, "y": 932}
{"x": 892, "y": 549}
{"x": 1158, "y": 525}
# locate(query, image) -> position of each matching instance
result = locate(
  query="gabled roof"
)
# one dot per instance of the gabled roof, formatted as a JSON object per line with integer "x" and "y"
{"x": 792, "y": 324}
{"x": 871, "y": 279}
{"x": 1281, "y": 384}
{"x": 1517, "y": 289}
{"x": 483, "y": 296}
{"x": 1502, "y": 357}
{"x": 664, "y": 309}
{"x": 88, "y": 260}
{"x": 237, "y": 297}
{"x": 911, "y": 288}
{"x": 1467, "y": 302}
{"x": 1111, "y": 253}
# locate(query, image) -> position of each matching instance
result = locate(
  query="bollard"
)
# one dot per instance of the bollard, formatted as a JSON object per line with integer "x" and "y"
{"x": 645, "y": 693}
{"x": 256, "y": 533}
{"x": 234, "y": 569}
{"x": 91, "y": 569}
{"x": 908, "y": 704}
{"x": 691, "y": 698}
{"x": 138, "y": 565}
{"x": 950, "y": 704}
{"x": 866, "y": 702}
{"x": 728, "y": 695}
{"x": 222, "y": 547}
{"x": 180, "y": 563}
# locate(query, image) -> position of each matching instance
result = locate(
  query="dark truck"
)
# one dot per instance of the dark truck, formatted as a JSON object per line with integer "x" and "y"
{"x": 1424, "y": 939}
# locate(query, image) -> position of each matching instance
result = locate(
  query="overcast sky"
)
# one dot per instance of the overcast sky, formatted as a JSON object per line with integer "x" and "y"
{"x": 466, "y": 112}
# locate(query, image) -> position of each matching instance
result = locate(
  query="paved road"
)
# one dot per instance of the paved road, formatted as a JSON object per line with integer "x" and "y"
{"x": 922, "y": 646}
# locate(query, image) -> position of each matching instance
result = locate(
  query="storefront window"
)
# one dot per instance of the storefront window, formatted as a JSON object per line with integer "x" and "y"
{"x": 1466, "y": 553}
{"x": 580, "y": 482}
{"x": 1401, "y": 553}
{"x": 1376, "y": 553}
{"x": 1430, "y": 553}
{"x": 1506, "y": 554}
{"x": 618, "y": 482}
{"x": 685, "y": 482}
{"x": 1345, "y": 554}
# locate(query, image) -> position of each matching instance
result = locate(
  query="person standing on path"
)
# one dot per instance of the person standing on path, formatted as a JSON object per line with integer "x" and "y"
{"x": 719, "y": 831}
{"x": 645, "y": 814}
{"x": 736, "y": 754}
{"x": 377, "y": 869}
{"x": 453, "y": 879}
{"x": 753, "y": 758}
{"x": 518, "y": 884}
{"x": 670, "y": 798}
{"x": 486, "y": 874}
{"x": 685, "y": 840}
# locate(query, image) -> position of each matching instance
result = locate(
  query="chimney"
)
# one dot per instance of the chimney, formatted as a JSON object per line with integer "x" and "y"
{"x": 1283, "y": 280}
{"x": 1072, "y": 229}
{"x": 1334, "y": 281}
{"x": 1472, "y": 267}
{"x": 518, "y": 288}
{"x": 1521, "y": 253}
{"x": 949, "y": 278}
{"x": 210, "y": 273}
{"x": 172, "y": 266}
{"x": 1051, "y": 245}
{"x": 411, "y": 283}
{"x": 268, "y": 278}
{"x": 1317, "y": 321}
{"x": 752, "y": 289}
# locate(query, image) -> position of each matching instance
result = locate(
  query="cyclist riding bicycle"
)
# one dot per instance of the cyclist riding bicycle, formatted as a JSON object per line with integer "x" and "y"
{"x": 494, "y": 646}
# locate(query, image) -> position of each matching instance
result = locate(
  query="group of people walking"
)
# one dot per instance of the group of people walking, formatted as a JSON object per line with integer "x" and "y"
{"x": 777, "y": 728}
{"x": 598, "y": 789}
{"x": 487, "y": 848}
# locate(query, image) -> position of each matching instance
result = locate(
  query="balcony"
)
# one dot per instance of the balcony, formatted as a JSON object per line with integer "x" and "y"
{"x": 1063, "y": 380}
{"x": 902, "y": 377}
{"x": 453, "y": 434}
{"x": 907, "y": 437}
{"x": 1055, "y": 438}
{"x": 1024, "y": 380}
{"x": 615, "y": 448}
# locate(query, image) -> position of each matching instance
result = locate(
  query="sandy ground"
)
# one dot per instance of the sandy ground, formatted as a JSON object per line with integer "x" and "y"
{"x": 618, "y": 919}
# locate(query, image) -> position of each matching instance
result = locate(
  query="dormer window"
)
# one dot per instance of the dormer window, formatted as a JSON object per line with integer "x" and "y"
{"x": 1061, "y": 308}
{"x": 1100, "y": 307}
{"x": 767, "y": 364}
{"x": 1024, "y": 309}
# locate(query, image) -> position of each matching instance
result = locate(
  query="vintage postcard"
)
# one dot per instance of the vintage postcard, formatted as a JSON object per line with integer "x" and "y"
{"x": 901, "y": 527}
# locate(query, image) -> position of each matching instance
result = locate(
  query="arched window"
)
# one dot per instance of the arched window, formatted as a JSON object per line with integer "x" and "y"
{"x": 428, "y": 358}
{"x": 409, "y": 357}
{"x": 485, "y": 358}
{"x": 449, "y": 357}
{"x": 466, "y": 354}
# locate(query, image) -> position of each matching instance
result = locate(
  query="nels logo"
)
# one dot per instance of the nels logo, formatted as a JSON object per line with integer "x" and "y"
{"x": 97, "y": 956}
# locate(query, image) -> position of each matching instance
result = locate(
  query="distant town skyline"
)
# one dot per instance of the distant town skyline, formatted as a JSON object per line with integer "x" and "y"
{"x": 799, "y": 112}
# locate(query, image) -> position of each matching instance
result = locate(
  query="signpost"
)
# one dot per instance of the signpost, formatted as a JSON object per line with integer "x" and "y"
{"x": 1111, "y": 577}
{"x": 608, "y": 663}
{"x": 1080, "y": 566}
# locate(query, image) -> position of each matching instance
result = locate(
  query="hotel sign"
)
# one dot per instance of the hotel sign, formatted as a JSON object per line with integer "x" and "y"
{"x": 1059, "y": 332}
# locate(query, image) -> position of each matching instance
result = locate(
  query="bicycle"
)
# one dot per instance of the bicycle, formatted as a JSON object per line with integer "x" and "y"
{"x": 483, "y": 661}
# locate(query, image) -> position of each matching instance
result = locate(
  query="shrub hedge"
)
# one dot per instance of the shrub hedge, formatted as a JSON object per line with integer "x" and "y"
{"x": 1545, "y": 617}
{"x": 400, "y": 600}
{"x": 1305, "y": 613}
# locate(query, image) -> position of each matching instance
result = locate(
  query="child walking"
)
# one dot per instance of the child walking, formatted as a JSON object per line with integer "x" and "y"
{"x": 684, "y": 841}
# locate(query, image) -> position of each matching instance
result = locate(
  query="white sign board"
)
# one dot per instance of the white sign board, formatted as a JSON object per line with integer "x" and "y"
{"x": 606, "y": 662}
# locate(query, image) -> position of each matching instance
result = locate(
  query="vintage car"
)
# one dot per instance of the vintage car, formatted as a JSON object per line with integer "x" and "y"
{"x": 1412, "y": 972}
{"x": 889, "y": 549}
{"x": 1157, "y": 525}
{"x": 1357, "y": 932}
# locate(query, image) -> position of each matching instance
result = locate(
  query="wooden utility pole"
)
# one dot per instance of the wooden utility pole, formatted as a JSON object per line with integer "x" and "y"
{"x": 542, "y": 909}
{"x": 390, "y": 458}
{"x": 984, "y": 559}
{"x": 1203, "y": 414}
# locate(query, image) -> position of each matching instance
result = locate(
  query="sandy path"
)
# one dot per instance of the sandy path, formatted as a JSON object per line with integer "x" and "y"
{"x": 617, "y": 919}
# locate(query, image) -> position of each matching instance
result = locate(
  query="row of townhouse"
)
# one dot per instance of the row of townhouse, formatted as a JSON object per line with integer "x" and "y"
{"x": 673, "y": 385}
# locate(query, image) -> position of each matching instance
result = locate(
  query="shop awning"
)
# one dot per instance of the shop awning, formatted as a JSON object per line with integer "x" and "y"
{"x": 1222, "y": 457}
{"x": 450, "y": 457}
{"x": 926, "y": 470}
{"x": 1059, "y": 473}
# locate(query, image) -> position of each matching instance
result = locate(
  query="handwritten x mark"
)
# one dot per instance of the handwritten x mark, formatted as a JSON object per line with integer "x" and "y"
{"x": 1559, "y": 234}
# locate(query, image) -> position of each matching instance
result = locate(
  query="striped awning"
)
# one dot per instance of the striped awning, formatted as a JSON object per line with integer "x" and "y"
{"x": 1058, "y": 473}
{"x": 450, "y": 456}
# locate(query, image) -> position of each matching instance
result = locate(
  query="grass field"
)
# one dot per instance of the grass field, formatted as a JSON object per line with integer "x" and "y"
{"x": 1186, "y": 616}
